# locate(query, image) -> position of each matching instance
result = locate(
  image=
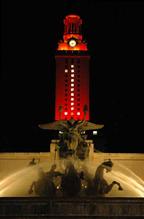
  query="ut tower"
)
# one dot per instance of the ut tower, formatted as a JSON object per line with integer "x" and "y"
{"x": 72, "y": 73}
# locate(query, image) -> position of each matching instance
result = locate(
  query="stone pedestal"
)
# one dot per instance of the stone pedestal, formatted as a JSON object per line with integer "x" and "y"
{"x": 55, "y": 152}
{"x": 91, "y": 147}
{"x": 54, "y": 149}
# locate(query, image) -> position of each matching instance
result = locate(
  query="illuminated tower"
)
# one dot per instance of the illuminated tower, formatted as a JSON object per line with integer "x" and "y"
{"x": 72, "y": 72}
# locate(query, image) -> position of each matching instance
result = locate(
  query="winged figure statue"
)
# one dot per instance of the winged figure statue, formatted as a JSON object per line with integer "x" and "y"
{"x": 71, "y": 129}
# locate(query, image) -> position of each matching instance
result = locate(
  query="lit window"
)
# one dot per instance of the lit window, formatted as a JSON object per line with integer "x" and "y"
{"x": 78, "y": 113}
{"x": 72, "y": 85}
{"x": 72, "y": 66}
{"x": 72, "y": 104}
{"x": 72, "y": 94}
{"x": 95, "y": 132}
{"x": 60, "y": 132}
{"x": 72, "y": 108}
{"x": 72, "y": 80}
{"x": 65, "y": 113}
{"x": 72, "y": 89}
{"x": 72, "y": 75}
{"x": 72, "y": 70}
{"x": 72, "y": 99}
{"x": 66, "y": 70}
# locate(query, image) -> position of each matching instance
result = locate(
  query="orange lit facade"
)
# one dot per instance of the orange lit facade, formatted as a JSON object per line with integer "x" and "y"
{"x": 72, "y": 72}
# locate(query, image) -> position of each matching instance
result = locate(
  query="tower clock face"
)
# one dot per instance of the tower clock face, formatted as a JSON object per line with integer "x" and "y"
{"x": 72, "y": 43}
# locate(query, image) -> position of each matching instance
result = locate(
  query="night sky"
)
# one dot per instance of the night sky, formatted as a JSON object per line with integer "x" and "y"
{"x": 30, "y": 33}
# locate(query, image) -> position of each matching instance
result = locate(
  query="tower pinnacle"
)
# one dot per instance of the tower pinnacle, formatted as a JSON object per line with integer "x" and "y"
{"x": 72, "y": 37}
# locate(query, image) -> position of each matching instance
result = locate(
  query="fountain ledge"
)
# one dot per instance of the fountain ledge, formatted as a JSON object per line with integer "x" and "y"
{"x": 43, "y": 207}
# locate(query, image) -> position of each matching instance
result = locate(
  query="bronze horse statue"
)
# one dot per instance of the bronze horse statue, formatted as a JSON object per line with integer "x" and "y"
{"x": 45, "y": 186}
{"x": 71, "y": 182}
{"x": 98, "y": 185}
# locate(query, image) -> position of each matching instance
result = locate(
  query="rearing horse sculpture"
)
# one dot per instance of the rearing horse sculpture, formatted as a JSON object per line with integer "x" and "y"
{"x": 45, "y": 186}
{"x": 98, "y": 185}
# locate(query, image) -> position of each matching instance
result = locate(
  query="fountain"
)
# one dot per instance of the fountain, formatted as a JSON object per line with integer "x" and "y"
{"x": 72, "y": 173}
{"x": 19, "y": 184}
{"x": 71, "y": 186}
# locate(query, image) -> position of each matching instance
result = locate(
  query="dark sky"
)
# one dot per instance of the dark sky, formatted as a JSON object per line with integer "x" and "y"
{"x": 30, "y": 32}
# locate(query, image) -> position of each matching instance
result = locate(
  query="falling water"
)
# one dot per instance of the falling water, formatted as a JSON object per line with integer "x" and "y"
{"x": 128, "y": 178}
{"x": 18, "y": 183}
